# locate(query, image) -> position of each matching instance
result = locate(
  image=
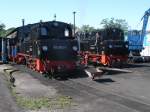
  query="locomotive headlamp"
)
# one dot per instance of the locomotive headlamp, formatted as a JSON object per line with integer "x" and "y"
{"x": 45, "y": 48}
{"x": 75, "y": 48}
{"x": 110, "y": 46}
{"x": 126, "y": 46}
{"x": 66, "y": 33}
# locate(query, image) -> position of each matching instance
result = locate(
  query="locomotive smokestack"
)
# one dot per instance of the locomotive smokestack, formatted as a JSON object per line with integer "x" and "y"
{"x": 23, "y": 21}
{"x": 55, "y": 17}
{"x": 41, "y": 21}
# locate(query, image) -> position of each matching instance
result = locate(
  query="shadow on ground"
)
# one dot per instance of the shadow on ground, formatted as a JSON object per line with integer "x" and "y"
{"x": 104, "y": 80}
{"x": 136, "y": 65}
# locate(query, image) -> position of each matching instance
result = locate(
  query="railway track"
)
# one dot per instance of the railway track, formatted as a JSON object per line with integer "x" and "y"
{"x": 88, "y": 93}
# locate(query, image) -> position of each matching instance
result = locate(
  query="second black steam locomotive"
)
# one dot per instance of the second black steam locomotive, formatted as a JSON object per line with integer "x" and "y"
{"x": 106, "y": 47}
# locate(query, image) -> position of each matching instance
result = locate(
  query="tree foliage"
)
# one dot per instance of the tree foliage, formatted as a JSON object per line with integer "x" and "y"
{"x": 87, "y": 28}
{"x": 117, "y": 23}
{"x": 2, "y": 26}
{"x": 4, "y": 32}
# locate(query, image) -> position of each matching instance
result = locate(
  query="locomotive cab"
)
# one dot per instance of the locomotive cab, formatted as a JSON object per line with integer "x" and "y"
{"x": 53, "y": 30}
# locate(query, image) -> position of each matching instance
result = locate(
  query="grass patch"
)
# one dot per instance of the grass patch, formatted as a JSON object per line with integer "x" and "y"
{"x": 59, "y": 102}
{"x": 38, "y": 103}
{"x": 33, "y": 104}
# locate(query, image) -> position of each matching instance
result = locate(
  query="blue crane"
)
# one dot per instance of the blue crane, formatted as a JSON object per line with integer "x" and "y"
{"x": 136, "y": 38}
{"x": 145, "y": 21}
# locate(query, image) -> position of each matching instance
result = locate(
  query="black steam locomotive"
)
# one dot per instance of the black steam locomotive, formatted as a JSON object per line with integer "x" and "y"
{"x": 106, "y": 46}
{"x": 44, "y": 47}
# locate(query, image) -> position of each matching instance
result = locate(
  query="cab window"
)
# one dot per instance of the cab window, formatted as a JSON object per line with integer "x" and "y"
{"x": 66, "y": 33}
{"x": 44, "y": 31}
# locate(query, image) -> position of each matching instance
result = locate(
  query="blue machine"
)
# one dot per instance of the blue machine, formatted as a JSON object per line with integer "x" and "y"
{"x": 135, "y": 43}
{"x": 136, "y": 38}
{"x": 146, "y": 41}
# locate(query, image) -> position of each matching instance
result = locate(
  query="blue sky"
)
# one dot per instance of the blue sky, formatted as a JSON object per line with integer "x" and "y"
{"x": 88, "y": 11}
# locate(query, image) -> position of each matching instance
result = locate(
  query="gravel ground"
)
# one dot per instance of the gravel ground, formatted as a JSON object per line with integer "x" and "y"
{"x": 114, "y": 92}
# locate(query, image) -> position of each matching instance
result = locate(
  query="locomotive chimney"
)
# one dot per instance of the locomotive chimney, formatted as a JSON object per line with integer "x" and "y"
{"x": 41, "y": 21}
{"x": 55, "y": 17}
{"x": 23, "y": 21}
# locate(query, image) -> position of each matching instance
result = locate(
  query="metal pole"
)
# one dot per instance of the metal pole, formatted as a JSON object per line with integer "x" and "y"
{"x": 8, "y": 48}
{"x": 4, "y": 51}
{"x": 74, "y": 28}
{"x": 74, "y": 14}
{"x": 78, "y": 37}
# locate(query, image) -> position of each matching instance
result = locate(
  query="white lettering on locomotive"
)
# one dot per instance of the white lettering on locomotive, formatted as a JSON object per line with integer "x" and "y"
{"x": 59, "y": 47}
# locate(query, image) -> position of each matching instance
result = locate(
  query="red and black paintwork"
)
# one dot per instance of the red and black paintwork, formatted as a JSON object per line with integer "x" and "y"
{"x": 107, "y": 48}
{"x": 46, "y": 47}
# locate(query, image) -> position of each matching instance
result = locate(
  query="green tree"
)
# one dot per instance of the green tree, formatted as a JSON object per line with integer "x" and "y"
{"x": 2, "y": 30}
{"x": 117, "y": 23}
{"x": 87, "y": 28}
